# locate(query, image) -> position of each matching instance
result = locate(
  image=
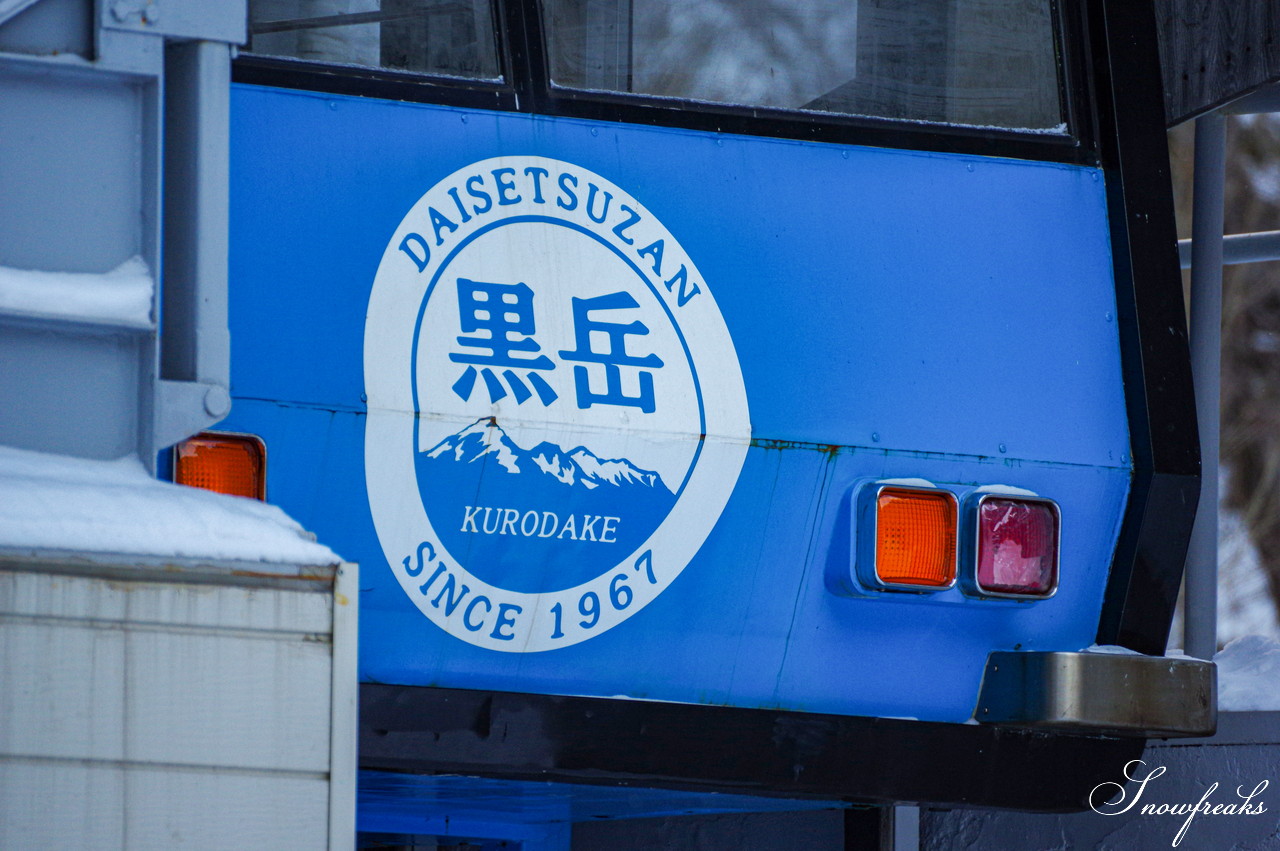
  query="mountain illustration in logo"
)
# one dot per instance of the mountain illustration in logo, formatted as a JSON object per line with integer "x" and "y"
{"x": 540, "y": 518}
{"x": 485, "y": 440}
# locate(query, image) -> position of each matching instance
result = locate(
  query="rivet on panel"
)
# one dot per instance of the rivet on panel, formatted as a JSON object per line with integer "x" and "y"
{"x": 217, "y": 401}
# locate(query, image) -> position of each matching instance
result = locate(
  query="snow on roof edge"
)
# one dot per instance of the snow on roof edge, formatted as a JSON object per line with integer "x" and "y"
{"x": 120, "y": 297}
{"x": 111, "y": 509}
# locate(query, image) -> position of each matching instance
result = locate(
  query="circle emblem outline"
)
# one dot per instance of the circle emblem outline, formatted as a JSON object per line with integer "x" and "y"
{"x": 533, "y": 622}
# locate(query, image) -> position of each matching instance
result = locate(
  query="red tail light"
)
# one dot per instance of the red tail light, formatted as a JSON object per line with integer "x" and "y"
{"x": 1017, "y": 547}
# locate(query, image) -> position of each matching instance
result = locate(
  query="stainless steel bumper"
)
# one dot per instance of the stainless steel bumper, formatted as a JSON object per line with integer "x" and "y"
{"x": 1121, "y": 694}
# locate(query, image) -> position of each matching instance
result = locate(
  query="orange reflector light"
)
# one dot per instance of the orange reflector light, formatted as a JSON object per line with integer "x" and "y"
{"x": 915, "y": 538}
{"x": 234, "y": 464}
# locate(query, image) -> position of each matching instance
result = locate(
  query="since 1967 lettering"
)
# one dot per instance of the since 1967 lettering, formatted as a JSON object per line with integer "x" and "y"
{"x": 452, "y": 595}
{"x": 620, "y": 597}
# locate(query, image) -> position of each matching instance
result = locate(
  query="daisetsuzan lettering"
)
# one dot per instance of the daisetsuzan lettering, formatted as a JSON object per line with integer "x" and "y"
{"x": 562, "y": 193}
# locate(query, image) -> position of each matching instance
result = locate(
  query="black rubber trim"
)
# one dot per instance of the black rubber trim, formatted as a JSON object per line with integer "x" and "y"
{"x": 817, "y": 127}
{"x": 387, "y": 85}
{"x": 727, "y": 749}
{"x": 1147, "y": 570}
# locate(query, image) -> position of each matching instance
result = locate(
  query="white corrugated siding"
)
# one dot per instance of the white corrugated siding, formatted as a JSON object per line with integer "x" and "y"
{"x": 156, "y": 715}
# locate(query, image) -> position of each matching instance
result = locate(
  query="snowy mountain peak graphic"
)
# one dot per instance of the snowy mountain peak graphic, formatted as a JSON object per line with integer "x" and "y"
{"x": 577, "y": 467}
{"x": 482, "y": 438}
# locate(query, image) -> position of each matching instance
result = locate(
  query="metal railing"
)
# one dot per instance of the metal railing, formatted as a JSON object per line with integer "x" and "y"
{"x": 1205, "y": 254}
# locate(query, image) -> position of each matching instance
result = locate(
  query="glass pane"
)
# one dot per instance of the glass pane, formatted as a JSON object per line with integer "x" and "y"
{"x": 970, "y": 62}
{"x": 450, "y": 37}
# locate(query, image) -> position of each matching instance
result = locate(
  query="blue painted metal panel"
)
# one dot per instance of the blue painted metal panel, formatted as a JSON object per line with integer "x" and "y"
{"x": 525, "y": 810}
{"x": 893, "y": 314}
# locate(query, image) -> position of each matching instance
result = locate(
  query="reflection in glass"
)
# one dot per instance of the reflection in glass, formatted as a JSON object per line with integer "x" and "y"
{"x": 445, "y": 37}
{"x": 970, "y": 62}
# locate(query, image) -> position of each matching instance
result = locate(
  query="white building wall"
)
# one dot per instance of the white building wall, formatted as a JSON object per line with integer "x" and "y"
{"x": 137, "y": 713}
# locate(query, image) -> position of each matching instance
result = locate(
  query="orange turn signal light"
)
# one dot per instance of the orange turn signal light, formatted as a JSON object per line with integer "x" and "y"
{"x": 233, "y": 464}
{"x": 915, "y": 538}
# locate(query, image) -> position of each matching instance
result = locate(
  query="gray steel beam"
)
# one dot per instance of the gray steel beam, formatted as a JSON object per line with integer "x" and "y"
{"x": 1263, "y": 100}
{"x": 1201, "y": 603}
{"x": 1239, "y": 248}
{"x": 195, "y": 345}
{"x": 156, "y": 87}
{"x": 12, "y": 8}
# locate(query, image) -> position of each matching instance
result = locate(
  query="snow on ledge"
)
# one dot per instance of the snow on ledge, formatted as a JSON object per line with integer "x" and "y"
{"x": 1110, "y": 650}
{"x": 121, "y": 297}
{"x": 1249, "y": 675}
{"x": 57, "y": 502}
{"x": 1117, "y": 650}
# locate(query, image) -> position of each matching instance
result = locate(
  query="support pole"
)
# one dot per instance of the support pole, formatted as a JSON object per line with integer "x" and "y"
{"x": 1239, "y": 248}
{"x": 1201, "y": 603}
{"x": 196, "y": 345}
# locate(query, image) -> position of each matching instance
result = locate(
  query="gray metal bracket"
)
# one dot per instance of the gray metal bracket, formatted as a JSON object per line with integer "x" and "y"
{"x": 224, "y": 20}
{"x": 184, "y": 408}
{"x": 1116, "y": 693}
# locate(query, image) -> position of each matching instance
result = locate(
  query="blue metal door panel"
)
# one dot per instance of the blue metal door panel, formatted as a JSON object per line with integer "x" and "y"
{"x": 894, "y": 314}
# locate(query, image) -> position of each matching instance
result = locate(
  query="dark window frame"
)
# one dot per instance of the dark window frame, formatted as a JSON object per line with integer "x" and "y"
{"x": 526, "y": 88}
{"x": 412, "y": 86}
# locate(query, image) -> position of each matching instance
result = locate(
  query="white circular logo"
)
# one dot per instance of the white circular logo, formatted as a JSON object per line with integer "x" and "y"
{"x": 556, "y": 414}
